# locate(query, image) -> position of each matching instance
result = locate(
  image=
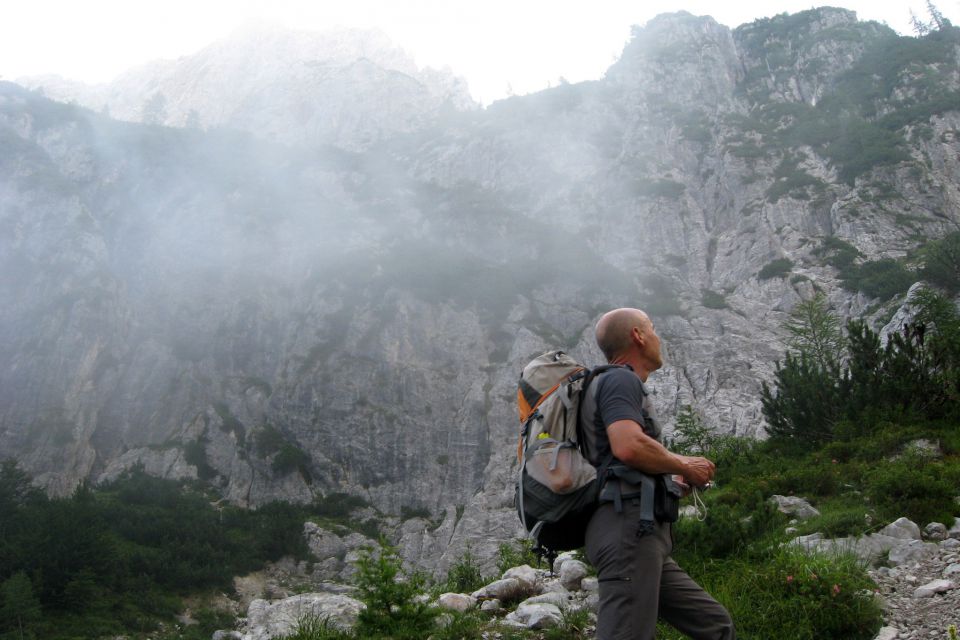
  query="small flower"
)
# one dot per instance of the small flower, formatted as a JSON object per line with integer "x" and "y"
{"x": 836, "y": 589}
{"x": 789, "y": 579}
{"x": 834, "y": 461}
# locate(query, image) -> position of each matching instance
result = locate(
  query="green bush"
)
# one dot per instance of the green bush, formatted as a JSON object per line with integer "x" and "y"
{"x": 811, "y": 597}
{"x": 713, "y": 300}
{"x": 941, "y": 262}
{"x": 515, "y": 554}
{"x": 464, "y": 576}
{"x": 311, "y": 627}
{"x": 393, "y": 609}
{"x": 914, "y": 488}
{"x": 778, "y": 268}
{"x": 291, "y": 458}
{"x": 882, "y": 278}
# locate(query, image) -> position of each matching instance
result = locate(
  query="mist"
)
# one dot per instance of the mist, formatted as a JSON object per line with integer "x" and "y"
{"x": 281, "y": 236}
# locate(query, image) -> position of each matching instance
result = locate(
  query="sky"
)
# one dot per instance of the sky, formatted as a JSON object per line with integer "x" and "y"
{"x": 501, "y": 47}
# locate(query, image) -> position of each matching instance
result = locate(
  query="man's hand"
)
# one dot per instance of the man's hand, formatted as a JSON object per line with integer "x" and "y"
{"x": 697, "y": 471}
{"x": 681, "y": 482}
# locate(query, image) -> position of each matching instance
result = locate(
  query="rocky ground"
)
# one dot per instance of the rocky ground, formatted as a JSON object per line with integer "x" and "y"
{"x": 921, "y": 599}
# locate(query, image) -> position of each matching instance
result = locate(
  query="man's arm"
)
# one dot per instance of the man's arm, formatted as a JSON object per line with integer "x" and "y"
{"x": 633, "y": 447}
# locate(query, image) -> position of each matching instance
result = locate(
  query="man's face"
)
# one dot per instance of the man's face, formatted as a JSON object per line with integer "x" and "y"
{"x": 651, "y": 344}
{"x": 653, "y": 348}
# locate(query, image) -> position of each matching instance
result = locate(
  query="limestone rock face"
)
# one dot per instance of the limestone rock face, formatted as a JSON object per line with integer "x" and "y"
{"x": 267, "y": 620}
{"x": 326, "y": 279}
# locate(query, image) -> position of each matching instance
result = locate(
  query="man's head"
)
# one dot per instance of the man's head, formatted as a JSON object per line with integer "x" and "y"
{"x": 627, "y": 336}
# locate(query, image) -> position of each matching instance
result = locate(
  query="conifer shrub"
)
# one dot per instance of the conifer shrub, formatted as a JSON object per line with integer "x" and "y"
{"x": 393, "y": 609}
{"x": 713, "y": 300}
{"x": 516, "y": 553}
{"x": 778, "y": 268}
{"x": 911, "y": 487}
{"x": 464, "y": 576}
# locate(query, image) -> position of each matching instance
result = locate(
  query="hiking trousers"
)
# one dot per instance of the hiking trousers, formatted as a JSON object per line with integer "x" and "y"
{"x": 639, "y": 582}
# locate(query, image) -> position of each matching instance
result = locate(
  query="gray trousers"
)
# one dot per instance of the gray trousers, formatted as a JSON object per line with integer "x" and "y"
{"x": 639, "y": 582}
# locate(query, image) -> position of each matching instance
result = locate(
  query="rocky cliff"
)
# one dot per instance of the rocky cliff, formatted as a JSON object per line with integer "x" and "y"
{"x": 291, "y": 307}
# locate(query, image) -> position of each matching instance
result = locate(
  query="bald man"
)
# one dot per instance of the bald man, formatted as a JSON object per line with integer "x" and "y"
{"x": 639, "y": 581}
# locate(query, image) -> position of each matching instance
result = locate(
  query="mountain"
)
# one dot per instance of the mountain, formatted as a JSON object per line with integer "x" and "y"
{"x": 299, "y": 309}
{"x": 348, "y": 87}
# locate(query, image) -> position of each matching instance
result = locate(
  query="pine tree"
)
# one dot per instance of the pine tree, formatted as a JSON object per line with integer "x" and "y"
{"x": 20, "y": 608}
{"x": 816, "y": 332}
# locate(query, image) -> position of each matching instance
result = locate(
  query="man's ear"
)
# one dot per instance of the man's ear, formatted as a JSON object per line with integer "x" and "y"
{"x": 636, "y": 334}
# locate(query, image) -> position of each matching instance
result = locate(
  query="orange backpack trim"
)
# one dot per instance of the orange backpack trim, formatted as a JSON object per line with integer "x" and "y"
{"x": 525, "y": 410}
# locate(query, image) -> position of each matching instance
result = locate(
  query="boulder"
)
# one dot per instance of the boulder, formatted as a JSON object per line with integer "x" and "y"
{"x": 954, "y": 531}
{"x": 556, "y": 598}
{"x": 456, "y": 602}
{"x": 794, "y": 506}
{"x": 950, "y": 544}
{"x": 887, "y": 633}
{"x": 537, "y": 616}
{"x": 951, "y": 570}
{"x": 572, "y": 573}
{"x": 912, "y": 551}
{"x": 563, "y": 557}
{"x": 504, "y": 590}
{"x": 590, "y": 584}
{"x": 491, "y": 606}
{"x": 932, "y": 588}
{"x": 552, "y": 585}
{"x": 902, "y": 528}
{"x": 870, "y": 549}
{"x": 935, "y": 531}
{"x": 525, "y": 574}
{"x": 267, "y": 620}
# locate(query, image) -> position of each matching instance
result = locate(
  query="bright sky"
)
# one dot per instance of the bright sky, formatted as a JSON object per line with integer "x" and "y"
{"x": 497, "y": 45}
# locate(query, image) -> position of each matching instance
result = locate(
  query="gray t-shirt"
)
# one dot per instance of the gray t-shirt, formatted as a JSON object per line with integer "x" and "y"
{"x": 615, "y": 394}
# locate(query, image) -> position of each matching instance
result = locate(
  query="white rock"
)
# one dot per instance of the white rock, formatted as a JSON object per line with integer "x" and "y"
{"x": 912, "y": 551}
{"x": 526, "y": 574}
{"x": 808, "y": 542}
{"x": 537, "y": 616}
{"x": 267, "y": 620}
{"x": 552, "y": 585}
{"x": 592, "y": 602}
{"x": 954, "y": 531}
{"x": 936, "y": 531}
{"x": 902, "y": 528}
{"x": 572, "y": 573}
{"x": 950, "y": 544}
{"x": 951, "y": 570}
{"x": 560, "y": 600}
{"x": 563, "y": 557}
{"x": 887, "y": 633}
{"x": 506, "y": 590}
{"x": 794, "y": 506}
{"x": 590, "y": 584}
{"x": 456, "y": 602}
{"x": 932, "y": 588}
{"x": 491, "y": 606}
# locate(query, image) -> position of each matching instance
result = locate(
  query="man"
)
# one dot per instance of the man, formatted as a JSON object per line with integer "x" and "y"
{"x": 639, "y": 582}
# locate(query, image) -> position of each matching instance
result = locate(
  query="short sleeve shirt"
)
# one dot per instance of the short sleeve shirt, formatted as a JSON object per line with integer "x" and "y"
{"x": 620, "y": 395}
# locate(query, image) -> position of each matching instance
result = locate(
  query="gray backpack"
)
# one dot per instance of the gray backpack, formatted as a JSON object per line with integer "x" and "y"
{"x": 557, "y": 488}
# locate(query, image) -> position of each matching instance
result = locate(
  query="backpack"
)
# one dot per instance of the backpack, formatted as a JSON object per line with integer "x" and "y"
{"x": 557, "y": 489}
